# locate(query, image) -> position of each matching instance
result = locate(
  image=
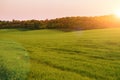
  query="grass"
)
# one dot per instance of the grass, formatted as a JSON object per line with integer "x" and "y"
{"x": 14, "y": 62}
{"x": 56, "y": 55}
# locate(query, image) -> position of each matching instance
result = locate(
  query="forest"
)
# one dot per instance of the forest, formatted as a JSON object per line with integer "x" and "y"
{"x": 64, "y": 23}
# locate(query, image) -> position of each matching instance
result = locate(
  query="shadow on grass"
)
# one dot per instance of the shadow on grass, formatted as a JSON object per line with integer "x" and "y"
{"x": 4, "y": 73}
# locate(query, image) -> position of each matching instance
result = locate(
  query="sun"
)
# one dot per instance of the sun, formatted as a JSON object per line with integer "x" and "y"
{"x": 117, "y": 13}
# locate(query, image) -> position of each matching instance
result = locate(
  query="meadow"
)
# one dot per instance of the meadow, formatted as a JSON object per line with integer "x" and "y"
{"x": 57, "y": 55}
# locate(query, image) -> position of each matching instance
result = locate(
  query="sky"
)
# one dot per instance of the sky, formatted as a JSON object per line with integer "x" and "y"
{"x": 50, "y": 9}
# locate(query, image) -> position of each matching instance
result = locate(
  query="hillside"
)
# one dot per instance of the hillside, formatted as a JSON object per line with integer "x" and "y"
{"x": 57, "y": 55}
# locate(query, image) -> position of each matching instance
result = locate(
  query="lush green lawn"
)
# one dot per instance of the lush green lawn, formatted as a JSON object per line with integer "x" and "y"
{"x": 56, "y": 55}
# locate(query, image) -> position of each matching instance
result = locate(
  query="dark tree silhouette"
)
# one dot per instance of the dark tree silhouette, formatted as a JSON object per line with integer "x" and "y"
{"x": 65, "y": 23}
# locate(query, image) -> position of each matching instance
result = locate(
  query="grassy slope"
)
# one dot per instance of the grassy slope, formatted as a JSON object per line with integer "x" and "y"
{"x": 82, "y": 55}
{"x": 14, "y": 62}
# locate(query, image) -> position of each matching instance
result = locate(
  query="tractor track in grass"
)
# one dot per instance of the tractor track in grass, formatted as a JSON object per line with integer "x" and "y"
{"x": 75, "y": 71}
{"x": 14, "y": 61}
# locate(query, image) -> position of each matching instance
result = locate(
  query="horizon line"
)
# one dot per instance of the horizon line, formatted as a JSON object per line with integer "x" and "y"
{"x": 57, "y": 17}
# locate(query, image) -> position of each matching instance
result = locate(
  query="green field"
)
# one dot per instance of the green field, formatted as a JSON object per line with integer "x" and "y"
{"x": 14, "y": 65}
{"x": 57, "y": 55}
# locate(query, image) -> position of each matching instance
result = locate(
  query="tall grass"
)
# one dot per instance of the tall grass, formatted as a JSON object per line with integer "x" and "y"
{"x": 80, "y": 55}
{"x": 14, "y": 61}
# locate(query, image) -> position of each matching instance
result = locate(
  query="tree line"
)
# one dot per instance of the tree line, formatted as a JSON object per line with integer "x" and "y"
{"x": 65, "y": 23}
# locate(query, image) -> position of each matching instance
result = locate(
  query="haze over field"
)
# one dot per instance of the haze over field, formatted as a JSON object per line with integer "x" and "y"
{"x": 43, "y": 9}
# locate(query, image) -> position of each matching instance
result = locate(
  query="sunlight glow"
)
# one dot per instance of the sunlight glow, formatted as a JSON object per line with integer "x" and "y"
{"x": 117, "y": 13}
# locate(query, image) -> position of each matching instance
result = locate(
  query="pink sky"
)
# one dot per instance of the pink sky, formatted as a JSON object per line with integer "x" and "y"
{"x": 48, "y": 9}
